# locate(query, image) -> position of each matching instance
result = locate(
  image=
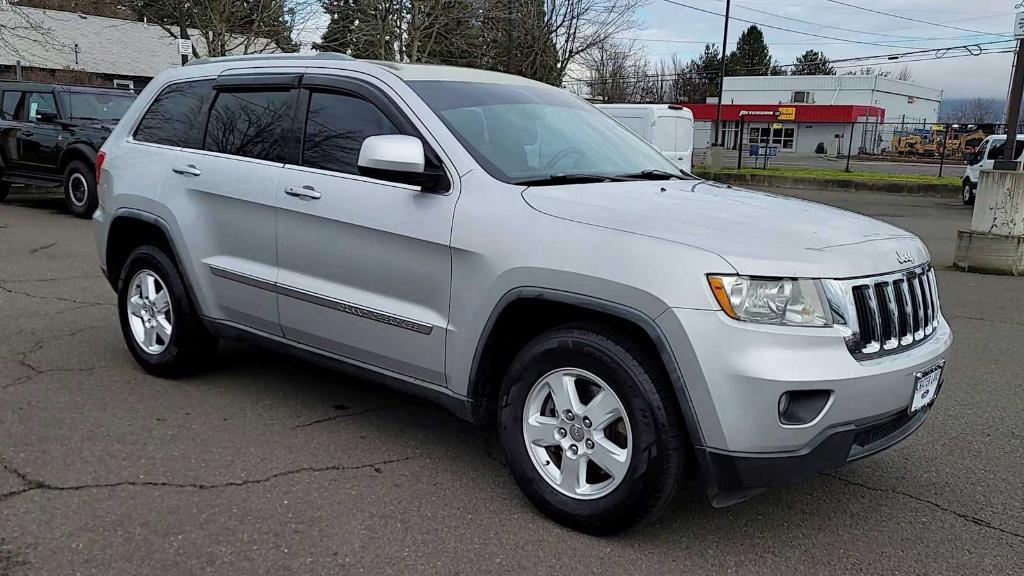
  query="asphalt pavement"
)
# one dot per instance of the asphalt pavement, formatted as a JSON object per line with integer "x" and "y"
{"x": 267, "y": 465}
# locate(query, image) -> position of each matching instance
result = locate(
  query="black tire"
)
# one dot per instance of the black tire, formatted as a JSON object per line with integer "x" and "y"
{"x": 968, "y": 194}
{"x": 80, "y": 189}
{"x": 190, "y": 346}
{"x": 659, "y": 452}
{"x": 5, "y": 189}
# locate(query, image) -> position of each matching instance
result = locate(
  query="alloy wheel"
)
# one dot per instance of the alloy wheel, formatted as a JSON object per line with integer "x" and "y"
{"x": 149, "y": 312}
{"x": 577, "y": 433}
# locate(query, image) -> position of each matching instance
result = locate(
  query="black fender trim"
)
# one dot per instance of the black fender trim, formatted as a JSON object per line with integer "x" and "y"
{"x": 114, "y": 276}
{"x": 77, "y": 148}
{"x": 645, "y": 322}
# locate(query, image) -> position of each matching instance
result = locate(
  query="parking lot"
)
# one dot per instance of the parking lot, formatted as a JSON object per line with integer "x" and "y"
{"x": 267, "y": 465}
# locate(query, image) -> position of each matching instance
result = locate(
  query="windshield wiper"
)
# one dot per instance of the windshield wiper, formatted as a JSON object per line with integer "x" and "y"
{"x": 570, "y": 178}
{"x": 652, "y": 174}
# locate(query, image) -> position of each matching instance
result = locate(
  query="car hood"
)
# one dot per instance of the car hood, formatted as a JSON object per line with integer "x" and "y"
{"x": 758, "y": 233}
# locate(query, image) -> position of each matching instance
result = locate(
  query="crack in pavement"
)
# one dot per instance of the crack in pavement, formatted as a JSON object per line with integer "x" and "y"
{"x": 33, "y": 485}
{"x": 52, "y": 279}
{"x": 963, "y": 516}
{"x": 348, "y": 415}
{"x": 979, "y": 319}
{"x": 41, "y": 248}
{"x": 22, "y": 358}
{"x": 9, "y": 290}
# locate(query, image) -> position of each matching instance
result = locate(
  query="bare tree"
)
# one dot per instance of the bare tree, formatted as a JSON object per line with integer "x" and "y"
{"x": 974, "y": 111}
{"x": 617, "y": 72}
{"x": 578, "y": 26}
{"x": 21, "y": 31}
{"x": 230, "y": 26}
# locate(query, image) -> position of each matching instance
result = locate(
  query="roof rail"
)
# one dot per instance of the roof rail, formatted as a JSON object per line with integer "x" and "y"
{"x": 263, "y": 57}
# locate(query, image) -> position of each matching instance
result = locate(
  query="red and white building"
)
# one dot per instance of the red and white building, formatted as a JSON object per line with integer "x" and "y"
{"x": 801, "y": 112}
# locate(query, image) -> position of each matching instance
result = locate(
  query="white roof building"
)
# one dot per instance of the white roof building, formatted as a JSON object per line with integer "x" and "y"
{"x": 906, "y": 100}
{"x": 93, "y": 44}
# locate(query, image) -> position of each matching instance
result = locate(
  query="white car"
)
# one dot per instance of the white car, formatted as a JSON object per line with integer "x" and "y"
{"x": 668, "y": 127}
{"x": 991, "y": 149}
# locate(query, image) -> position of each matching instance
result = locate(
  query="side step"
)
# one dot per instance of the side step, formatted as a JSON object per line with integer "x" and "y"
{"x": 25, "y": 180}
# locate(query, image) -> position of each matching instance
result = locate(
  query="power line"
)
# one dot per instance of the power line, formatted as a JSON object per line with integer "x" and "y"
{"x": 873, "y": 11}
{"x": 763, "y": 25}
{"x": 844, "y": 63}
{"x": 906, "y": 37}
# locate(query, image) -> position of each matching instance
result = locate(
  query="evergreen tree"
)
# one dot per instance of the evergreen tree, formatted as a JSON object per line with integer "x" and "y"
{"x": 813, "y": 63}
{"x": 340, "y": 32}
{"x": 751, "y": 56}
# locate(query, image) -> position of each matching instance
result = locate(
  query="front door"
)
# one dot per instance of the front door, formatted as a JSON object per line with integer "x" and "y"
{"x": 33, "y": 137}
{"x": 364, "y": 264}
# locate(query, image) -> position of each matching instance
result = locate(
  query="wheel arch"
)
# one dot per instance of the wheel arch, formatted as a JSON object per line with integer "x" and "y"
{"x": 76, "y": 151}
{"x": 523, "y": 313}
{"x": 132, "y": 228}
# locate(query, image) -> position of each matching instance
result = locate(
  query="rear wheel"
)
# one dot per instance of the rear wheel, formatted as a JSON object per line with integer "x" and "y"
{"x": 80, "y": 189}
{"x": 590, "y": 429}
{"x": 968, "y": 194}
{"x": 158, "y": 320}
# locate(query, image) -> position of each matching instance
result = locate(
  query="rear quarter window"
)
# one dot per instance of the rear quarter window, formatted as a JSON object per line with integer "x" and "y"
{"x": 175, "y": 116}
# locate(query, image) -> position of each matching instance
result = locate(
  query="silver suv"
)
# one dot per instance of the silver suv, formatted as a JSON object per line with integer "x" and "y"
{"x": 507, "y": 250}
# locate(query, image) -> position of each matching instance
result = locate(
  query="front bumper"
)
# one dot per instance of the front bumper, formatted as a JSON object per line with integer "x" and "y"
{"x": 735, "y": 373}
{"x": 731, "y": 478}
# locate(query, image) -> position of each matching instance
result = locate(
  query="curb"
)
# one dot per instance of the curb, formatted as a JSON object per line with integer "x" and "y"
{"x": 890, "y": 187}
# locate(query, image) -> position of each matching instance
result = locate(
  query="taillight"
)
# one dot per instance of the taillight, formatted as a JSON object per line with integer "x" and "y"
{"x": 100, "y": 157}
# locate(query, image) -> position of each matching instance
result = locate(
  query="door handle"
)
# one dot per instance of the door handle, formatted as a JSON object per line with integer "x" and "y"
{"x": 189, "y": 170}
{"x": 303, "y": 193}
{"x": 27, "y": 133}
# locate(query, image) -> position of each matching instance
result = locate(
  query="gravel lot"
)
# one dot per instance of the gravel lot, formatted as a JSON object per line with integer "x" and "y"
{"x": 270, "y": 466}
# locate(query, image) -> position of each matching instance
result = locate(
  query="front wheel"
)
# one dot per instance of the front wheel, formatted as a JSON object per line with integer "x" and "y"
{"x": 5, "y": 189}
{"x": 590, "y": 429}
{"x": 968, "y": 195}
{"x": 80, "y": 189}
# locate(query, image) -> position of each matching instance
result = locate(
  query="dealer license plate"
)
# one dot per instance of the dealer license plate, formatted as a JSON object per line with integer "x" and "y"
{"x": 926, "y": 386}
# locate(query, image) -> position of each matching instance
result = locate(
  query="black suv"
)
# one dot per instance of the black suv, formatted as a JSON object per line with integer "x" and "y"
{"x": 49, "y": 135}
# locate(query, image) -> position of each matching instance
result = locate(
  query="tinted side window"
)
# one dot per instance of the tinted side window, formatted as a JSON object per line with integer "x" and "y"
{"x": 251, "y": 124}
{"x": 40, "y": 102}
{"x": 175, "y": 117}
{"x": 10, "y": 106}
{"x": 336, "y": 126}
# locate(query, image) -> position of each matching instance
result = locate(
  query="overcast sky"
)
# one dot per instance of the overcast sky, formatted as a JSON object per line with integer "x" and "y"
{"x": 672, "y": 29}
{"x": 968, "y": 76}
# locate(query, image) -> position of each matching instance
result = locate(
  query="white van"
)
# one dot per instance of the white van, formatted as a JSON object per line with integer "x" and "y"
{"x": 669, "y": 127}
{"x": 991, "y": 149}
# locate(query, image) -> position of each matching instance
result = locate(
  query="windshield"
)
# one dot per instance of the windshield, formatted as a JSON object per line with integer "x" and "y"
{"x": 99, "y": 106}
{"x": 521, "y": 133}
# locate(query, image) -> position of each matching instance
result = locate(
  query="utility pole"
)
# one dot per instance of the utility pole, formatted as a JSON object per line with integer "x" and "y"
{"x": 1009, "y": 161}
{"x": 721, "y": 77}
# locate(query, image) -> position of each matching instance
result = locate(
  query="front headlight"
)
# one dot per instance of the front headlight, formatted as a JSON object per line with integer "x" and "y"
{"x": 781, "y": 301}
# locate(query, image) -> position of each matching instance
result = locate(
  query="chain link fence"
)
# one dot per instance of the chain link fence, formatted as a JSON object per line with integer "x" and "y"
{"x": 907, "y": 146}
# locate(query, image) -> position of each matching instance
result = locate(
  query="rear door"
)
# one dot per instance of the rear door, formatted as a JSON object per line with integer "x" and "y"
{"x": 222, "y": 188}
{"x": 365, "y": 264}
{"x": 673, "y": 135}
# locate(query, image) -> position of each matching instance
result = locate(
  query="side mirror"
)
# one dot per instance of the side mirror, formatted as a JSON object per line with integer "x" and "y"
{"x": 47, "y": 117}
{"x": 399, "y": 158}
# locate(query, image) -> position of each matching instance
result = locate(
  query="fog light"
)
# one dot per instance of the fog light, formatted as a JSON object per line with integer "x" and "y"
{"x": 800, "y": 407}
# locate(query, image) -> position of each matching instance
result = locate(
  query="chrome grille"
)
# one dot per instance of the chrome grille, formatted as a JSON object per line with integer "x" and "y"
{"x": 886, "y": 314}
